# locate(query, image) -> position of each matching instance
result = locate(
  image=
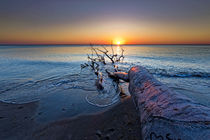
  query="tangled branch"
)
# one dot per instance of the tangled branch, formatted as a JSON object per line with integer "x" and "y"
{"x": 103, "y": 56}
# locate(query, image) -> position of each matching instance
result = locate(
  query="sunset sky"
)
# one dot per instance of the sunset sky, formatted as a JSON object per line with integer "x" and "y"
{"x": 100, "y": 21}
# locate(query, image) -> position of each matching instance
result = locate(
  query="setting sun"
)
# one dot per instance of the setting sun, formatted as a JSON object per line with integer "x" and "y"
{"x": 119, "y": 41}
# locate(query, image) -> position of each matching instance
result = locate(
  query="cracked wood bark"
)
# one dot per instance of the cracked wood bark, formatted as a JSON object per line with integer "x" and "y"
{"x": 165, "y": 114}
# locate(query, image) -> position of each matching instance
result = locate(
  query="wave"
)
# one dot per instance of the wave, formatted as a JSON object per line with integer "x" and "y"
{"x": 160, "y": 58}
{"x": 181, "y": 74}
{"x": 171, "y": 72}
{"x": 46, "y": 63}
{"x": 28, "y": 62}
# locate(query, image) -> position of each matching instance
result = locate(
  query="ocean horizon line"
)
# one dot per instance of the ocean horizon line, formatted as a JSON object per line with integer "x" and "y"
{"x": 94, "y": 44}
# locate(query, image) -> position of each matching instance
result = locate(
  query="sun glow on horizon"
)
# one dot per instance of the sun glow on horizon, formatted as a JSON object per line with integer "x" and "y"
{"x": 119, "y": 41}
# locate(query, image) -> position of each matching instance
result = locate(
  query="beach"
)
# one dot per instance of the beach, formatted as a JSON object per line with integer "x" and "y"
{"x": 46, "y": 95}
{"x": 119, "y": 122}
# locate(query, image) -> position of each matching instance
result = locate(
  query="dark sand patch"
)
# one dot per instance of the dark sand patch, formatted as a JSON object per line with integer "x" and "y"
{"x": 119, "y": 122}
{"x": 16, "y": 120}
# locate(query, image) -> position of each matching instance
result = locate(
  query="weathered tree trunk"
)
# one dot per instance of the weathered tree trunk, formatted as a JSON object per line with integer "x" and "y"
{"x": 165, "y": 114}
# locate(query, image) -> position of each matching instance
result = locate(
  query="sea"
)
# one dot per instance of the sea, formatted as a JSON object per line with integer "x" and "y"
{"x": 52, "y": 74}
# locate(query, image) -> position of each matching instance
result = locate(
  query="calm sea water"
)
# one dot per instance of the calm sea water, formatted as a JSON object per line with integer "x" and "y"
{"x": 30, "y": 73}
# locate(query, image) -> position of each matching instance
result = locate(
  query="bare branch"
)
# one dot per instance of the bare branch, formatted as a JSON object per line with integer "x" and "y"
{"x": 97, "y": 57}
{"x": 100, "y": 57}
{"x": 106, "y": 53}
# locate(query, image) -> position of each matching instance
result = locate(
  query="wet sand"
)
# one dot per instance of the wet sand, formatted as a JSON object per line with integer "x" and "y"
{"x": 17, "y": 120}
{"x": 119, "y": 122}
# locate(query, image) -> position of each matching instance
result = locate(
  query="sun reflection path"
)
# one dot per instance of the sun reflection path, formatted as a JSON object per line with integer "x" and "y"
{"x": 118, "y": 49}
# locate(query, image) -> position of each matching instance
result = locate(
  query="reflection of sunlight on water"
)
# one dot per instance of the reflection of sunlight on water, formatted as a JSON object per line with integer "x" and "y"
{"x": 118, "y": 49}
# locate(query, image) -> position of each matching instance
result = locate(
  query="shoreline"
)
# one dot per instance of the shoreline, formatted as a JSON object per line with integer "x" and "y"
{"x": 118, "y": 122}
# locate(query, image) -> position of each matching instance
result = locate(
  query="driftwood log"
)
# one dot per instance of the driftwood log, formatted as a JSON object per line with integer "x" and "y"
{"x": 165, "y": 114}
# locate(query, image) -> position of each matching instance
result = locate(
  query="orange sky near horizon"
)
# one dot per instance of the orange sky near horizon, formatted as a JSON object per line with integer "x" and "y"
{"x": 104, "y": 33}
